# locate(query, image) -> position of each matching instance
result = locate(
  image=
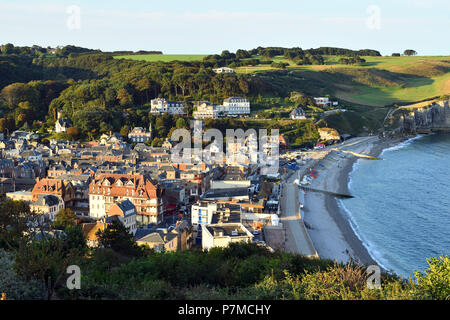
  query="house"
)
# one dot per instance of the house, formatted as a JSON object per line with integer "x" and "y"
{"x": 298, "y": 114}
{"x": 126, "y": 213}
{"x": 20, "y": 195}
{"x": 160, "y": 240}
{"x": 90, "y": 232}
{"x": 55, "y": 187}
{"x": 224, "y": 70}
{"x": 161, "y": 106}
{"x": 232, "y": 107}
{"x": 48, "y": 205}
{"x": 139, "y": 134}
{"x": 236, "y": 106}
{"x": 222, "y": 234}
{"x": 202, "y": 212}
{"x": 168, "y": 144}
{"x": 16, "y": 135}
{"x": 325, "y": 102}
{"x": 111, "y": 139}
{"x": 62, "y": 124}
{"x": 80, "y": 184}
{"x": 107, "y": 189}
{"x": 206, "y": 109}
{"x": 6, "y": 168}
{"x": 174, "y": 238}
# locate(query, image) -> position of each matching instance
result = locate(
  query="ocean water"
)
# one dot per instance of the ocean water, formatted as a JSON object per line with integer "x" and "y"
{"x": 401, "y": 209}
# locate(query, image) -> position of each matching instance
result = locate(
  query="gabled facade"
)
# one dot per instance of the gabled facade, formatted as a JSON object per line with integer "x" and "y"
{"x": 55, "y": 187}
{"x": 139, "y": 134}
{"x": 108, "y": 189}
{"x": 161, "y": 106}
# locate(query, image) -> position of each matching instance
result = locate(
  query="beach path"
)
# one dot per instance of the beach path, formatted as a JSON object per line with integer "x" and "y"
{"x": 297, "y": 238}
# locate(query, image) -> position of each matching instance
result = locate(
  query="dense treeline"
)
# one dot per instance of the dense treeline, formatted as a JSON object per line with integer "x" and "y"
{"x": 330, "y": 51}
{"x": 91, "y": 87}
{"x": 110, "y": 90}
{"x": 352, "y": 60}
{"x": 244, "y": 57}
{"x": 34, "y": 266}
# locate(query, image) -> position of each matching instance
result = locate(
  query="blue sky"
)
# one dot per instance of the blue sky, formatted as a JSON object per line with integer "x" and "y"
{"x": 201, "y": 26}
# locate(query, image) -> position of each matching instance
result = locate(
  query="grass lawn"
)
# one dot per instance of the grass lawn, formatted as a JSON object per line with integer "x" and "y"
{"x": 405, "y": 79}
{"x": 379, "y": 81}
{"x": 163, "y": 57}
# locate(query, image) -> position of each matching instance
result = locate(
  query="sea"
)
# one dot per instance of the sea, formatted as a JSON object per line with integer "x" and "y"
{"x": 401, "y": 205}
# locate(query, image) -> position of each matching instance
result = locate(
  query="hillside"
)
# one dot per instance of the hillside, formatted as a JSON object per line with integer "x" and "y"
{"x": 378, "y": 82}
{"x": 117, "y": 88}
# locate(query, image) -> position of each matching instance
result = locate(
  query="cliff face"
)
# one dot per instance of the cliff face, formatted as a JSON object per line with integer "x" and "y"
{"x": 433, "y": 118}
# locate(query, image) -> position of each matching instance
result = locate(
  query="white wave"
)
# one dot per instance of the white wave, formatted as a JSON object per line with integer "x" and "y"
{"x": 402, "y": 144}
{"x": 376, "y": 255}
{"x": 355, "y": 167}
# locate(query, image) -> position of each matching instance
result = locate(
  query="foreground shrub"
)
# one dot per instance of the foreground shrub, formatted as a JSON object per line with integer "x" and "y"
{"x": 14, "y": 286}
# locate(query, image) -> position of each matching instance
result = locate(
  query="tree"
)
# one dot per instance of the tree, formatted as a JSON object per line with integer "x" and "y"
{"x": 181, "y": 123}
{"x": 124, "y": 97}
{"x": 2, "y": 125}
{"x": 409, "y": 52}
{"x": 242, "y": 54}
{"x": 13, "y": 221}
{"x": 75, "y": 239}
{"x": 435, "y": 282}
{"x": 14, "y": 93}
{"x": 90, "y": 119}
{"x": 73, "y": 133}
{"x": 21, "y": 118}
{"x": 14, "y": 286}
{"x": 8, "y": 48}
{"x": 64, "y": 218}
{"x": 124, "y": 131}
{"x": 115, "y": 236}
{"x": 45, "y": 260}
{"x": 396, "y": 54}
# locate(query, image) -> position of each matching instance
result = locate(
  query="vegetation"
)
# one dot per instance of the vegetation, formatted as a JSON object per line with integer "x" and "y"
{"x": 352, "y": 60}
{"x": 162, "y": 57}
{"x": 409, "y": 52}
{"x": 101, "y": 93}
{"x": 35, "y": 268}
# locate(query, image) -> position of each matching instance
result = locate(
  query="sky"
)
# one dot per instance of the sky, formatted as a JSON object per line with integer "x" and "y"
{"x": 210, "y": 26}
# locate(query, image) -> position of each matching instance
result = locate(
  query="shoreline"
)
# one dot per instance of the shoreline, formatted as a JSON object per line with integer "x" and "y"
{"x": 328, "y": 224}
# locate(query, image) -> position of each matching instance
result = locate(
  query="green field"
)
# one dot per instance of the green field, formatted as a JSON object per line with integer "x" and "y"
{"x": 163, "y": 57}
{"x": 378, "y": 82}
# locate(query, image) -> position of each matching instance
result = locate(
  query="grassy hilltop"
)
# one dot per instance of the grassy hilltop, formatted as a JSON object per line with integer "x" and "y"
{"x": 377, "y": 82}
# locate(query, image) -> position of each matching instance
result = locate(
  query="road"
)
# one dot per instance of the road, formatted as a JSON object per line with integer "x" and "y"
{"x": 297, "y": 238}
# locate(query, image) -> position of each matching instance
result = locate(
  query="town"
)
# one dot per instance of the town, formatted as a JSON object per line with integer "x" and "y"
{"x": 165, "y": 205}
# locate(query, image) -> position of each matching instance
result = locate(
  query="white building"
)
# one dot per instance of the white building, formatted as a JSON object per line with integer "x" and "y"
{"x": 206, "y": 109}
{"x": 162, "y": 106}
{"x": 222, "y": 234}
{"x": 325, "y": 102}
{"x": 298, "y": 114}
{"x": 236, "y": 106}
{"x": 62, "y": 125}
{"x": 202, "y": 212}
{"x": 139, "y": 134}
{"x": 232, "y": 107}
{"x": 224, "y": 70}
